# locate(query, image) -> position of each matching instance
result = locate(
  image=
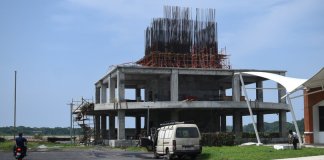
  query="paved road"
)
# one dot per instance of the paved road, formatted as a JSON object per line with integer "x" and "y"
{"x": 81, "y": 155}
{"x": 306, "y": 158}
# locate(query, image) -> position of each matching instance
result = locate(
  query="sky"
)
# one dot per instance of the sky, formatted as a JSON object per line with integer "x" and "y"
{"x": 61, "y": 48}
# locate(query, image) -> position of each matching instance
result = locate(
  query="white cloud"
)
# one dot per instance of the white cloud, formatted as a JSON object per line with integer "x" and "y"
{"x": 275, "y": 27}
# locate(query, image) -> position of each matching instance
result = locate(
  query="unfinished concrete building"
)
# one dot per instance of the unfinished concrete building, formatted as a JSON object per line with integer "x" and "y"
{"x": 182, "y": 77}
{"x": 179, "y": 94}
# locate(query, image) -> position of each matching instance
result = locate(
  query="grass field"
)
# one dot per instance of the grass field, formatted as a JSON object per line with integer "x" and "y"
{"x": 255, "y": 153}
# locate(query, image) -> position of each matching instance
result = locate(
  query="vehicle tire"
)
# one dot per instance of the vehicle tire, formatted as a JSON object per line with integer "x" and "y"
{"x": 168, "y": 155}
{"x": 156, "y": 155}
{"x": 193, "y": 157}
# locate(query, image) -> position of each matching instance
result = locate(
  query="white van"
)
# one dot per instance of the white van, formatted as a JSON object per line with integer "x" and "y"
{"x": 178, "y": 139}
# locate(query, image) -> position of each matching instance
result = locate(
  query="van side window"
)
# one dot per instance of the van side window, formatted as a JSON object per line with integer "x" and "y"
{"x": 187, "y": 132}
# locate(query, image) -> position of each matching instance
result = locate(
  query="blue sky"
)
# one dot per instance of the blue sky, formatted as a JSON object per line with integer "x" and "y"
{"x": 61, "y": 48}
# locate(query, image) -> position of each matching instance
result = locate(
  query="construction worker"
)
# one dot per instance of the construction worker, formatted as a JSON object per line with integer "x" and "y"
{"x": 293, "y": 138}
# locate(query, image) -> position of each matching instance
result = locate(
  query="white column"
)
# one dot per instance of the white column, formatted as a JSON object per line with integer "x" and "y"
{"x": 174, "y": 86}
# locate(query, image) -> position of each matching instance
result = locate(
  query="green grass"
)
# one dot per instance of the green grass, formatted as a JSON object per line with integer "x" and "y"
{"x": 255, "y": 153}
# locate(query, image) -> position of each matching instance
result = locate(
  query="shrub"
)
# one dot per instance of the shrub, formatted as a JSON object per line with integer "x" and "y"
{"x": 217, "y": 139}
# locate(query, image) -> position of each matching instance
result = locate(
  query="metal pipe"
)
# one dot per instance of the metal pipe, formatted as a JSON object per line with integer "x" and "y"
{"x": 250, "y": 110}
{"x": 15, "y": 104}
{"x": 294, "y": 119}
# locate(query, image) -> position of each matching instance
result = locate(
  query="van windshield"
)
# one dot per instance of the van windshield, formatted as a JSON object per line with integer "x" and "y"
{"x": 187, "y": 132}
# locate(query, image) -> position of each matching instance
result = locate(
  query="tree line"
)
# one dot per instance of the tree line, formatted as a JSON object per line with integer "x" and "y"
{"x": 4, "y": 131}
{"x": 268, "y": 127}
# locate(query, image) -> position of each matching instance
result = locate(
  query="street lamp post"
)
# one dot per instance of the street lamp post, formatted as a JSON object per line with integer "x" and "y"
{"x": 15, "y": 104}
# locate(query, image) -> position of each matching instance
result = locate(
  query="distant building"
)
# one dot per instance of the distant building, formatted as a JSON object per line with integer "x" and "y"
{"x": 314, "y": 116}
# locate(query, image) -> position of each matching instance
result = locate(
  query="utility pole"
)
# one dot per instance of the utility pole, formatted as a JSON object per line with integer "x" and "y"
{"x": 148, "y": 121}
{"x": 15, "y": 104}
{"x": 71, "y": 120}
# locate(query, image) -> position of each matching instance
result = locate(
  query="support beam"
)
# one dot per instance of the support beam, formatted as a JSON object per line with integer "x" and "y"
{"x": 97, "y": 95}
{"x": 237, "y": 124}
{"x": 138, "y": 125}
{"x": 120, "y": 86}
{"x": 174, "y": 86}
{"x": 282, "y": 124}
{"x": 112, "y": 87}
{"x": 217, "y": 122}
{"x": 223, "y": 123}
{"x": 138, "y": 97}
{"x": 112, "y": 128}
{"x": 104, "y": 126}
{"x": 281, "y": 92}
{"x": 250, "y": 110}
{"x": 259, "y": 92}
{"x": 97, "y": 127}
{"x": 121, "y": 125}
{"x": 260, "y": 122}
{"x": 175, "y": 115}
{"x": 236, "y": 88}
{"x": 294, "y": 120}
{"x": 103, "y": 90}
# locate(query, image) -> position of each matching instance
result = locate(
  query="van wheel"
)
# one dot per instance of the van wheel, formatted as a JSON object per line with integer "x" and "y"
{"x": 168, "y": 155}
{"x": 193, "y": 157}
{"x": 156, "y": 155}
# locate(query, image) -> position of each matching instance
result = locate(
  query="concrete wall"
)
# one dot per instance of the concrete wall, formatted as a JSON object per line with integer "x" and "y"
{"x": 201, "y": 88}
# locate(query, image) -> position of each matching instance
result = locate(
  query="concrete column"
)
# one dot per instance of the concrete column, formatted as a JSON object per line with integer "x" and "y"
{"x": 138, "y": 125}
{"x": 217, "y": 122}
{"x": 97, "y": 127}
{"x": 121, "y": 125}
{"x": 282, "y": 124}
{"x": 104, "y": 126}
{"x": 237, "y": 124}
{"x": 154, "y": 95}
{"x": 174, "y": 80}
{"x": 146, "y": 93}
{"x": 175, "y": 115}
{"x": 260, "y": 122}
{"x": 103, "y": 89}
{"x": 112, "y": 87}
{"x": 223, "y": 123}
{"x": 236, "y": 88}
{"x": 112, "y": 128}
{"x": 281, "y": 92}
{"x": 259, "y": 92}
{"x": 138, "y": 94}
{"x": 120, "y": 86}
{"x": 97, "y": 94}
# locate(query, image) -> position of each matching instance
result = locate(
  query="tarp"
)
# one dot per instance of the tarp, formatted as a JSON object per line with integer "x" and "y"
{"x": 316, "y": 81}
{"x": 291, "y": 84}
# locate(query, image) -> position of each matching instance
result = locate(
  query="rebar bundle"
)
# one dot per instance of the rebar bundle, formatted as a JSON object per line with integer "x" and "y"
{"x": 178, "y": 34}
